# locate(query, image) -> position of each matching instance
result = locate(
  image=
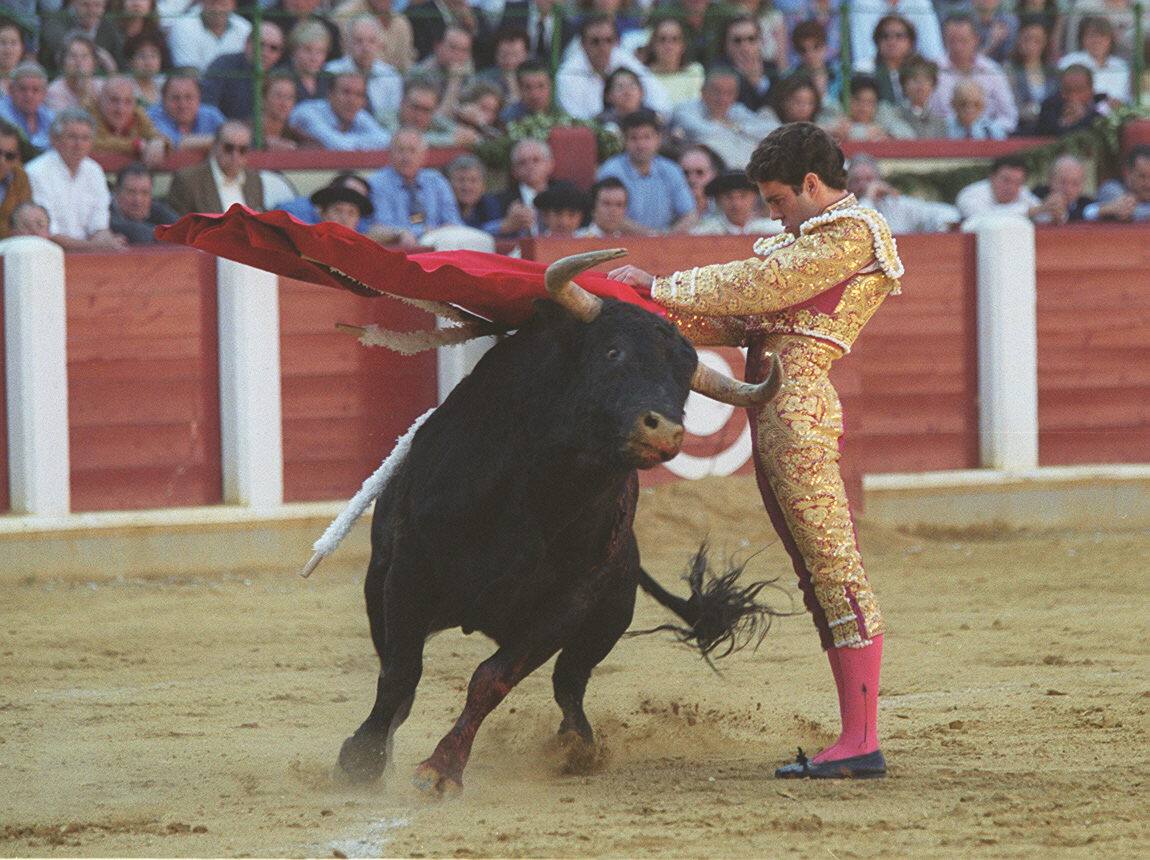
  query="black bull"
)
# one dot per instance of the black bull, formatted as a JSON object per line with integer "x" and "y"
{"x": 512, "y": 515}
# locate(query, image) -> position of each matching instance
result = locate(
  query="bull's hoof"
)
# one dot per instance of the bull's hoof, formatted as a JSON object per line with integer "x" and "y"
{"x": 578, "y": 755}
{"x": 434, "y": 784}
{"x": 362, "y": 759}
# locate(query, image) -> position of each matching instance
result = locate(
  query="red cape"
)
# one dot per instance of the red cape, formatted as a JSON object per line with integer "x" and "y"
{"x": 492, "y": 286}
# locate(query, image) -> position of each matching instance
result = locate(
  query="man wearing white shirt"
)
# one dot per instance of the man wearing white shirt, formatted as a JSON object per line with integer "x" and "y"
{"x": 196, "y": 40}
{"x": 384, "y": 82}
{"x": 963, "y": 62}
{"x": 582, "y": 76}
{"x": 903, "y": 212}
{"x": 717, "y": 119}
{"x": 73, "y": 188}
{"x": 1003, "y": 192}
{"x": 864, "y": 17}
{"x": 340, "y": 123}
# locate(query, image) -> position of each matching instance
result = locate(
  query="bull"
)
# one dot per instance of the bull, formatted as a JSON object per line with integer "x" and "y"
{"x": 512, "y": 514}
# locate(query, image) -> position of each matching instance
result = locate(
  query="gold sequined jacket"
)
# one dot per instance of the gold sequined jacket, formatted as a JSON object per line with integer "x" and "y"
{"x": 824, "y": 283}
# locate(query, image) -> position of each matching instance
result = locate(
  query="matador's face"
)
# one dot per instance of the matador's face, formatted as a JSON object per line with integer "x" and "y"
{"x": 790, "y": 206}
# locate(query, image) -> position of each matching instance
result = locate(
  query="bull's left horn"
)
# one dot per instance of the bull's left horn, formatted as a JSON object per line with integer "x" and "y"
{"x": 711, "y": 383}
{"x": 581, "y": 304}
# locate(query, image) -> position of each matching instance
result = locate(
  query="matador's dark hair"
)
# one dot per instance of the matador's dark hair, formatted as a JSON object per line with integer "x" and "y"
{"x": 792, "y": 151}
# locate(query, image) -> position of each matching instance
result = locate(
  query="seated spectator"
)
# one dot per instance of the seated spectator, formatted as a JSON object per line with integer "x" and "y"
{"x": 864, "y": 18}
{"x": 384, "y": 83}
{"x": 419, "y": 109}
{"x": 135, "y": 18}
{"x": 449, "y": 66}
{"x": 123, "y": 127}
{"x": 15, "y": 188}
{"x": 862, "y": 119}
{"x": 223, "y": 178}
{"x": 741, "y": 39}
{"x": 737, "y": 204}
{"x": 1111, "y": 73}
{"x": 478, "y": 207}
{"x": 608, "y": 211}
{"x": 903, "y": 212}
{"x": 1120, "y": 14}
{"x": 72, "y": 187}
{"x": 343, "y": 204}
{"x": 704, "y": 22}
{"x": 1062, "y": 199}
{"x": 1032, "y": 79}
{"x": 914, "y": 118}
{"x": 409, "y": 198}
{"x": 628, "y": 15}
{"x": 84, "y": 18}
{"x": 561, "y": 210}
{"x": 535, "y": 91}
{"x": 480, "y": 105}
{"x": 429, "y": 21}
{"x": 968, "y": 120}
{"x": 666, "y": 57}
{"x": 11, "y": 53}
{"x": 290, "y": 15}
{"x": 227, "y": 82}
{"x": 279, "y": 102}
{"x": 30, "y": 219}
{"x": 963, "y": 62}
{"x": 1128, "y": 200}
{"x": 511, "y": 51}
{"x": 308, "y": 47}
{"x": 135, "y": 214}
{"x": 398, "y": 47}
{"x": 622, "y": 95}
{"x": 657, "y": 191}
{"x": 181, "y": 117}
{"x": 896, "y": 41}
{"x": 532, "y": 167}
{"x": 340, "y": 123}
{"x": 729, "y": 127}
{"x": 823, "y": 12}
{"x": 997, "y": 30}
{"x": 196, "y": 40}
{"x": 1073, "y": 107}
{"x": 700, "y": 164}
{"x": 1004, "y": 191}
{"x": 304, "y": 207}
{"x": 811, "y": 47}
{"x": 24, "y": 106}
{"x": 146, "y": 55}
{"x": 796, "y": 99}
{"x": 773, "y": 25}
{"x": 77, "y": 84}
{"x": 582, "y": 76}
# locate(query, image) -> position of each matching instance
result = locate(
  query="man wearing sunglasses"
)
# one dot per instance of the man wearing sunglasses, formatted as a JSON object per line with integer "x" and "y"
{"x": 14, "y": 186}
{"x": 221, "y": 180}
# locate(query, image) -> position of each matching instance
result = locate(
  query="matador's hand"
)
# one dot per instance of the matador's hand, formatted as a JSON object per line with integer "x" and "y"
{"x": 634, "y": 276}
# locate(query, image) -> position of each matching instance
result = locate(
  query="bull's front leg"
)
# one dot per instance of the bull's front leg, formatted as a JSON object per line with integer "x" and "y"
{"x": 442, "y": 772}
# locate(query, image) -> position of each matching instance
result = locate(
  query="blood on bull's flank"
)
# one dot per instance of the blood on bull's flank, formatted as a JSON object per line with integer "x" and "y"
{"x": 511, "y": 513}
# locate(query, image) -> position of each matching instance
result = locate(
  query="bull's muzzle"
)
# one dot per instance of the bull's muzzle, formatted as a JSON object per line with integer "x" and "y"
{"x": 654, "y": 439}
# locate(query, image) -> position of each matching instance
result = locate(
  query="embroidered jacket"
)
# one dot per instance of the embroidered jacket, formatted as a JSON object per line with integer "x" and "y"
{"x": 824, "y": 283}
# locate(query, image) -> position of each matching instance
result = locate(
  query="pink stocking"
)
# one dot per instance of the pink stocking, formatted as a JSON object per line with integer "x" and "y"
{"x": 857, "y": 681}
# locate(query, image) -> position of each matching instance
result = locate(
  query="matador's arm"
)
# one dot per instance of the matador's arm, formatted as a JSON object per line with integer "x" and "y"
{"x": 790, "y": 275}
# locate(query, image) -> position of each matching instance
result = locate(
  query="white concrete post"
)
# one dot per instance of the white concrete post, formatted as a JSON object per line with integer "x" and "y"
{"x": 1007, "y": 342}
{"x": 251, "y": 429}
{"x": 35, "y": 336}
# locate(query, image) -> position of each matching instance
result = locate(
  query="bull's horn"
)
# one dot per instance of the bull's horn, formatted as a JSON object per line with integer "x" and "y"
{"x": 581, "y": 304}
{"x": 715, "y": 385}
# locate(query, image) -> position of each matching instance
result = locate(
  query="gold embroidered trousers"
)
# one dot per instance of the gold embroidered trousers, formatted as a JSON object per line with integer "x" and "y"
{"x": 797, "y": 465}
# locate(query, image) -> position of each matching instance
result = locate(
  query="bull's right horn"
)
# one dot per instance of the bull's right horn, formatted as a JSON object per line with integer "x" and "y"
{"x": 580, "y": 304}
{"x": 711, "y": 383}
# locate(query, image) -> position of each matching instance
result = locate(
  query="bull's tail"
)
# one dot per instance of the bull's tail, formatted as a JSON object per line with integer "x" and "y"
{"x": 721, "y": 615}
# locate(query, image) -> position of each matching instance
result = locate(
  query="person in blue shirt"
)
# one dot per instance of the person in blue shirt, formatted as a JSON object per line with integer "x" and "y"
{"x": 307, "y": 209}
{"x": 340, "y": 123}
{"x": 182, "y": 117}
{"x": 409, "y": 197}
{"x": 24, "y": 104}
{"x": 658, "y": 197}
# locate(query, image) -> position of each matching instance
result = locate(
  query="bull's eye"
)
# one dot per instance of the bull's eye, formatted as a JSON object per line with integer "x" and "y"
{"x": 614, "y": 354}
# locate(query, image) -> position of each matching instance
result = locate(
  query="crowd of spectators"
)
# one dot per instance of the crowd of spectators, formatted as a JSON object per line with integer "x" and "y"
{"x": 687, "y": 87}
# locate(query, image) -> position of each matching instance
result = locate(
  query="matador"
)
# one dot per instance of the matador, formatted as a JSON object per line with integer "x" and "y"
{"x": 805, "y": 298}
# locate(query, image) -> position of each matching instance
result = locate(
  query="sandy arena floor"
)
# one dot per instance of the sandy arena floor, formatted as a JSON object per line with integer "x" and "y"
{"x": 203, "y": 717}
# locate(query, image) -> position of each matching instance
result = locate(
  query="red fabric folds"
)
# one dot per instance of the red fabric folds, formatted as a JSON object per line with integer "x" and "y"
{"x": 495, "y": 287}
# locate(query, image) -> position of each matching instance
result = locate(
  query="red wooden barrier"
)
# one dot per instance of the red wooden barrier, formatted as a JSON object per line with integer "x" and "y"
{"x": 1094, "y": 345}
{"x": 344, "y": 405}
{"x": 5, "y": 489}
{"x": 143, "y": 380}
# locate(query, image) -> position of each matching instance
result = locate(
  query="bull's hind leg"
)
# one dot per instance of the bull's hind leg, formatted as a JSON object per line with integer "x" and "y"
{"x": 582, "y": 653}
{"x": 399, "y": 627}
